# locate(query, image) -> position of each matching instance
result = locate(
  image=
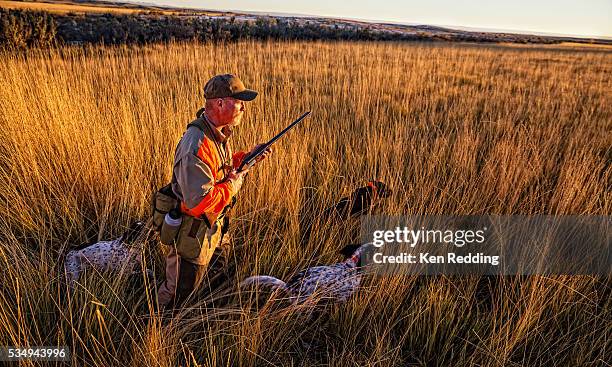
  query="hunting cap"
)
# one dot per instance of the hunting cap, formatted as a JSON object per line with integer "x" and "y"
{"x": 227, "y": 85}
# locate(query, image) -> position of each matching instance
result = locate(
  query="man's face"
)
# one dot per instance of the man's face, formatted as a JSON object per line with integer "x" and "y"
{"x": 230, "y": 111}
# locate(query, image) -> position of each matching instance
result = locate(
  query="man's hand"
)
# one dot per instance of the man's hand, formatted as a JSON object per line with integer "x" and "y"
{"x": 264, "y": 155}
{"x": 237, "y": 178}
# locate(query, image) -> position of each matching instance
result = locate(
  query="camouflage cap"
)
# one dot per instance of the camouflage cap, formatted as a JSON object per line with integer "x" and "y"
{"x": 227, "y": 85}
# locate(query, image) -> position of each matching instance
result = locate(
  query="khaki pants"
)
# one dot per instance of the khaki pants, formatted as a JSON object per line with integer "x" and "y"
{"x": 184, "y": 278}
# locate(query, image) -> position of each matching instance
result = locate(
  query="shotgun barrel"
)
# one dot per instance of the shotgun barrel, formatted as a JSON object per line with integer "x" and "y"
{"x": 250, "y": 159}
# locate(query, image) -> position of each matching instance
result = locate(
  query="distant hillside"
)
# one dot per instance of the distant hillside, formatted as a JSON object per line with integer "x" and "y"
{"x": 81, "y": 7}
{"x": 43, "y": 24}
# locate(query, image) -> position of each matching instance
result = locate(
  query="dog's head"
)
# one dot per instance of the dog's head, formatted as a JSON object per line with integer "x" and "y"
{"x": 136, "y": 235}
{"x": 363, "y": 200}
{"x": 348, "y": 250}
{"x": 380, "y": 189}
{"x": 354, "y": 252}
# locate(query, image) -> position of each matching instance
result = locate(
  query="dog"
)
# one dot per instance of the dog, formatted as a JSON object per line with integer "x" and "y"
{"x": 361, "y": 201}
{"x": 123, "y": 254}
{"x": 334, "y": 283}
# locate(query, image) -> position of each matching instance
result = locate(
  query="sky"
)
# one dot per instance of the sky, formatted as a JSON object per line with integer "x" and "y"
{"x": 568, "y": 17}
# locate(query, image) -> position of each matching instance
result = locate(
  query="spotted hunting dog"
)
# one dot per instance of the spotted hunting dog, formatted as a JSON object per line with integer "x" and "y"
{"x": 123, "y": 254}
{"x": 334, "y": 283}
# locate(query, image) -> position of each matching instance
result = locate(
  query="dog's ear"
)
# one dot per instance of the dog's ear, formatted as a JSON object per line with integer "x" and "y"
{"x": 382, "y": 189}
{"x": 340, "y": 209}
{"x": 349, "y": 250}
{"x": 360, "y": 201}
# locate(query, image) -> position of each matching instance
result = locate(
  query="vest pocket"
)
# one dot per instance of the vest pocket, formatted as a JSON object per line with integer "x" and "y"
{"x": 191, "y": 237}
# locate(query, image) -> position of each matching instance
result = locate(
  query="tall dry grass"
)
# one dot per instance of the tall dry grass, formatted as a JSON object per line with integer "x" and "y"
{"x": 87, "y": 135}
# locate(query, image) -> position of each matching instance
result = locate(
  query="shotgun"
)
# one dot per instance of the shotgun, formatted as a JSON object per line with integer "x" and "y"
{"x": 249, "y": 160}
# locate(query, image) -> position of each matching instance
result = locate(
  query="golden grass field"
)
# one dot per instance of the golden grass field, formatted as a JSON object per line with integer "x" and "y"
{"x": 86, "y": 135}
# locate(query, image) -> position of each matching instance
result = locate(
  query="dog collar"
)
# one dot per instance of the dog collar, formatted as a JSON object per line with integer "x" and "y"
{"x": 374, "y": 190}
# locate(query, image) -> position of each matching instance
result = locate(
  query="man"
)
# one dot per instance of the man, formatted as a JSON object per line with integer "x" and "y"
{"x": 205, "y": 181}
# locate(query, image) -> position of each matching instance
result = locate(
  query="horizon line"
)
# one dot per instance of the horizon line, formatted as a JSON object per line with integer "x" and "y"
{"x": 457, "y": 27}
